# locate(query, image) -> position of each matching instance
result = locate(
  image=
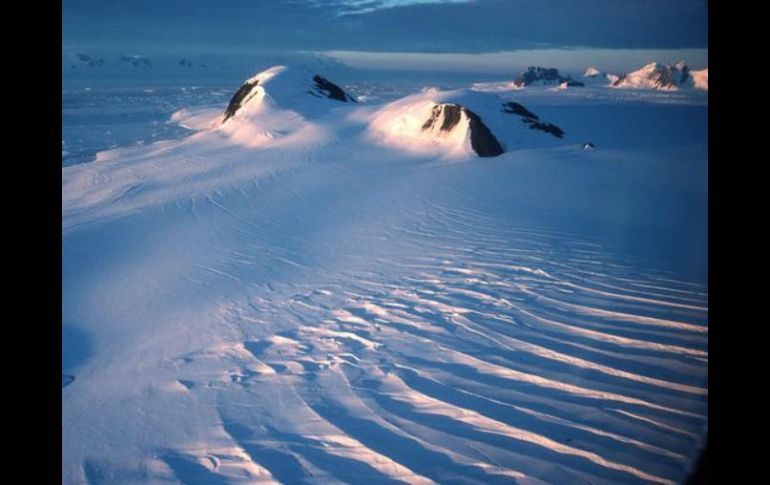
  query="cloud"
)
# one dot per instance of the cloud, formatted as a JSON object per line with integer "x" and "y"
{"x": 385, "y": 25}
{"x": 358, "y": 7}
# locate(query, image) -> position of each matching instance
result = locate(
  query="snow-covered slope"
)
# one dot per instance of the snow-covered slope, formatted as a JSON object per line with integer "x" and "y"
{"x": 700, "y": 79}
{"x": 595, "y": 77}
{"x": 663, "y": 76}
{"x": 592, "y": 72}
{"x": 316, "y": 291}
{"x": 282, "y": 87}
{"x": 458, "y": 122}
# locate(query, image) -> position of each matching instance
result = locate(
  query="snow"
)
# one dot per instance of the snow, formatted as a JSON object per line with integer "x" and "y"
{"x": 700, "y": 78}
{"x": 323, "y": 292}
{"x": 591, "y": 72}
{"x": 666, "y": 77}
{"x": 496, "y": 86}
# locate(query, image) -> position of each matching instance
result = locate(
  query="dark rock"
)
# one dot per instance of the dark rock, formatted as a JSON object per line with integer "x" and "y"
{"x": 237, "y": 99}
{"x": 331, "y": 90}
{"x": 451, "y": 116}
{"x": 537, "y": 73}
{"x": 664, "y": 78}
{"x": 483, "y": 141}
{"x": 547, "y": 75}
{"x": 519, "y": 109}
{"x": 323, "y": 88}
{"x": 546, "y": 127}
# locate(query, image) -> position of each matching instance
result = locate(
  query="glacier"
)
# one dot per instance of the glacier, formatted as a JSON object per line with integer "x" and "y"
{"x": 315, "y": 291}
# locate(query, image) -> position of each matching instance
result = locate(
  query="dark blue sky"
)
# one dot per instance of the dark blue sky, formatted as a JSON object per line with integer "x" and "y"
{"x": 429, "y": 26}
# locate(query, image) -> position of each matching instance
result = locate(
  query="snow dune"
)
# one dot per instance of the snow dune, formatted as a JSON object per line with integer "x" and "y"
{"x": 305, "y": 294}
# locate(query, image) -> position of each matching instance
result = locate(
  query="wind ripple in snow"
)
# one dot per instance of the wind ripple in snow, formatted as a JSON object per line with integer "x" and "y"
{"x": 465, "y": 368}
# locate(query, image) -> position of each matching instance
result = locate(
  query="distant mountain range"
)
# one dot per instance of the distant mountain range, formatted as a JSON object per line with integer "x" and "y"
{"x": 654, "y": 75}
{"x": 536, "y": 75}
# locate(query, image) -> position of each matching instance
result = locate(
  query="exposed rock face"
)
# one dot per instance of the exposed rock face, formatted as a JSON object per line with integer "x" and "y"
{"x": 446, "y": 116}
{"x": 519, "y": 109}
{"x": 542, "y": 75}
{"x": 546, "y": 127}
{"x": 331, "y": 90}
{"x": 284, "y": 84}
{"x": 532, "y": 119}
{"x": 483, "y": 141}
{"x": 237, "y": 100}
{"x": 664, "y": 78}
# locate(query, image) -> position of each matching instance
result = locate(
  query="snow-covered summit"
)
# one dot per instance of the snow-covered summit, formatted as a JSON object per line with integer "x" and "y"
{"x": 445, "y": 116}
{"x": 700, "y": 79}
{"x": 594, "y": 77}
{"x": 284, "y": 87}
{"x": 461, "y": 122}
{"x": 592, "y": 72}
{"x": 663, "y": 76}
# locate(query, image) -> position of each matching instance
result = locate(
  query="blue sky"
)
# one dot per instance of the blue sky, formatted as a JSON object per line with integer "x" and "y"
{"x": 627, "y": 31}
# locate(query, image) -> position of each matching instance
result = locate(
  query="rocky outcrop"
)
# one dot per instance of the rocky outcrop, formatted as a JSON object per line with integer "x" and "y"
{"x": 542, "y": 75}
{"x": 286, "y": 87}
{"x": 546, "y": 127}
{"x": 331, "y": 90}
{"x": 532, "y": 119}
{"x": 237, "y": 100}
{"x": 519, "y": 109}
{"x": 446, "y": 117}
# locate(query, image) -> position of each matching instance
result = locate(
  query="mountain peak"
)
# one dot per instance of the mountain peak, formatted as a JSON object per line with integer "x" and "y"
{"x": 544, "y": 76}
{"x": 670, "y": 77}
{"x": 285, "y": 86}
{"x": 591, "y": 72}
{"x": 446, "y": 116}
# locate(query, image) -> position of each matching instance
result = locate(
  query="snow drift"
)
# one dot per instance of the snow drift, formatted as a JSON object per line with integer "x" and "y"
{"x": 308, "y": 292}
